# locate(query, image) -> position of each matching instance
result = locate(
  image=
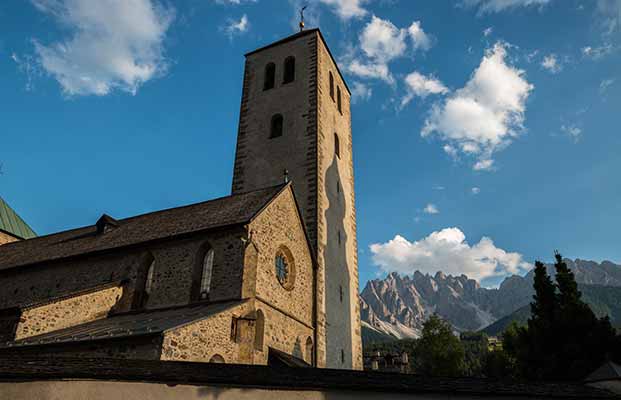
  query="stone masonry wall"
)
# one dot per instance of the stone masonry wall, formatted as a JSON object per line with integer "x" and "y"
{"x": 337, "y": 248}
{"x": 175, "y": 261}
{"x": 68, "y": 312}
{"x": 201, "y": 340}
{"x": 279, "y": 225}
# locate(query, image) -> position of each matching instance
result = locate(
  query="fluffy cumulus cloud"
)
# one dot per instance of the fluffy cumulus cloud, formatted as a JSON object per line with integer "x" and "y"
{"x": 380, "y": 43}
{"x": 420, "y": 40}
{"x": 360, "y": 92}
{"x": 112, "y": 44}
{"x": 448, "y": 251}
{"x": 552, "y": 64}
{"x": 492, "y": 6}
{"x": 236, "y": 27}
{"x": 422, "y": 86}
{"x": 485, "y": 115}
{"x": 347, "y": 9}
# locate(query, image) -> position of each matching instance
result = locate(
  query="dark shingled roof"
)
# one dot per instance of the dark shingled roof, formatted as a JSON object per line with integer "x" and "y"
{"x": 230, "y": 210}
{"x": 12, "y": 223}
{"x": 126, "y": 325}
{"x": 27, "y": 368}
{"x": 607, "y": 372}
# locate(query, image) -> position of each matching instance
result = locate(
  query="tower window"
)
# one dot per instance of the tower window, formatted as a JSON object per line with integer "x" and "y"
{"x": 342, "y": 356}
{"x": 339, "y": 236}
{"x": 338, "y": 99}
{"x": 276, "y": 126}
{"x": 148, "y": 286}
{"x": 341, "y": 293}
{"x": 338, "y": 187}
{"x": 270, "y": 76}
{"x": 206, "y": 274}
{"x": 331, "y": 86}
{"x": 289, "y": 75}
{"x": 337, "y": 145}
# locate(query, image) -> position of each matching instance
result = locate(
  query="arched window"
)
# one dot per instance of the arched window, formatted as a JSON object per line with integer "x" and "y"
{"x": 337, "y": 145}
{"x": 270, "y": 76}
{"x": 206, "y": 274}
{"x": 309, "y": 351}
{"x": 276, "y": 126}
{"x": 148, "y": 284}
{"x": 338, "y": 99}
{"x": 331, "y": 86}
{"x": 289, "y": 75}
{"x": 217, "y": 359}
{"x": 259, "y": 331}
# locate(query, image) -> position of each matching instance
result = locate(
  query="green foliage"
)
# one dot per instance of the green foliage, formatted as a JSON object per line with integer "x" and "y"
{"x": 475, "y": 352}
{"x": 564, "y": 340}
{"x": 438, "y": 352}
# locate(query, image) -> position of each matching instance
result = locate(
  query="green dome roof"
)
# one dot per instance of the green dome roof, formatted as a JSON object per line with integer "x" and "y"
{"x": 12, "y": 223}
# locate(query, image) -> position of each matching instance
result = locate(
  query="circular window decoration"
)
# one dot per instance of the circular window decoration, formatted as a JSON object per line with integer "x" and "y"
{"x": 284, "y": 268}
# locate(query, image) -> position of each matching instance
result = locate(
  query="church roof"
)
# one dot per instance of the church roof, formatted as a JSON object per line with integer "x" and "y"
{"x": 225, "y": 211}
{"x": 127, "y": 325}
{"x": 12, "y": 223}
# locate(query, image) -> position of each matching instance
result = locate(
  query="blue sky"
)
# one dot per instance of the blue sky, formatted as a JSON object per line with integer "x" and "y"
{"x": 486, "y": 132}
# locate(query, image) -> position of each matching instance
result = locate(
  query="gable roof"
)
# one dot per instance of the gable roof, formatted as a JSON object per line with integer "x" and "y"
{"x": 127, "y": 325}
{"x": 225, "y": 211}
{"x": 12, "y": 223}
{"x": 607, "y": 372}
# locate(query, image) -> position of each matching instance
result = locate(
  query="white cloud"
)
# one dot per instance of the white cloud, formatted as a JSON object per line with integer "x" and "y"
{"x": 347, "y": 9}
{"x": 605, "y": 85}
{"x": 431, "y": 209}
{"x": 475, "y": 190}
{"x": 234, "y": 2}
{"x": 597, "y": 53}
{"x": 380, "y": 43}
{"x": 438, "y": 187}
{"x": 488, "y": 31}
{"x": 573, "y": 131}
{"x": 552, "y": 64}
{"x": 422, "y": 86}
{"x": 113, "y": 44}
{"x": 29, "y": 67}
{"x": 420, "y": 40}
{"x": 382, "y": 40}
{"x": 485, "y": 115}
{"x": 490, "y": 6}
{"x": 360, "y": 92}
{"x": 609, "y": 12}
{"x": 234, "y": 27}
{"x": 448, "y": 251}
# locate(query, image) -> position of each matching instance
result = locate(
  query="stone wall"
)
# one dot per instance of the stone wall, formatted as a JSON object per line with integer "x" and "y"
{"x": 6, "y": 238}
{"x": 337, "y": 246}
{"x": 67, "y": 312}
{"x": 201, "y": 340}
{"x": 279, "y": 226}
{"x": 175, "y": 264}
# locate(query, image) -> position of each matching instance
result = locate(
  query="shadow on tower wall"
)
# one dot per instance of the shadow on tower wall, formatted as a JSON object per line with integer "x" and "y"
{"x": 337, "y": 276}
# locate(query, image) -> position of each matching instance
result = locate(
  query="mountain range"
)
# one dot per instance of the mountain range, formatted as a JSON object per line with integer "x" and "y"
{"x": 399, "y": 305}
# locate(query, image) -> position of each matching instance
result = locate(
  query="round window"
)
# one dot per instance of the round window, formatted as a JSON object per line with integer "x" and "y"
{"x": 284, "y": 268}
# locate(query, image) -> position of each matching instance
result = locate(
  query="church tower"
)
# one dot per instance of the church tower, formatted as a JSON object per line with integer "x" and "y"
{"x": 295, "y": 124}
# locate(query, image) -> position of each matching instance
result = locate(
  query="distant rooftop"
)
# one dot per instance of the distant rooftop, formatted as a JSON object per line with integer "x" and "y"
{"x": 12, "y": 223}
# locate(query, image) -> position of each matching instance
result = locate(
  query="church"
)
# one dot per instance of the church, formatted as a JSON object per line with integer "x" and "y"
{"x": 265, "y": 276}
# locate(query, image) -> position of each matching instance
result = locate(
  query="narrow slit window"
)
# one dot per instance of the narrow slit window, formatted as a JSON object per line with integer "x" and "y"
{"x": 270, "y": 76}
{"x": 341, "y": 293}
{"x": 342, "y": 356}
{"x": 289, "y": 74}
{"x": 206, "y": 274}
{"x": 276, "y": 126}
{"x": 148, "y": 287}
{"x": 331, "y": 86}
{"x": 337, "y": 145}
{"x": 338, "y": 99}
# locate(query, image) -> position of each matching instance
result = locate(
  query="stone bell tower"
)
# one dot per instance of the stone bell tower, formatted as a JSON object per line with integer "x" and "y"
{"x": 295, "y": 117}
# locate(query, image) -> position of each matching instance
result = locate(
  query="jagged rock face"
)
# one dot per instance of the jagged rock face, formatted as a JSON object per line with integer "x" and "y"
{"x": 399, "y": 305}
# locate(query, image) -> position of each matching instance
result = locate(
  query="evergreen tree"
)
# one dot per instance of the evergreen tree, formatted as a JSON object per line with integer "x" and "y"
{"x": 564, "y": 339}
